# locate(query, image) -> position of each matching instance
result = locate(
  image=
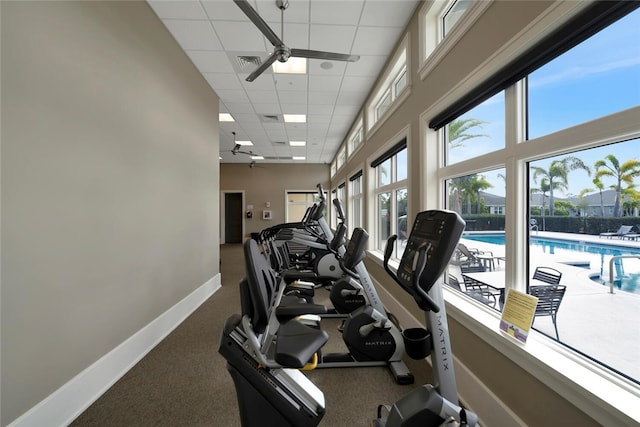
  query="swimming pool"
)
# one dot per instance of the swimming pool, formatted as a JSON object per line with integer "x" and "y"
{"x": 597, "y": 256}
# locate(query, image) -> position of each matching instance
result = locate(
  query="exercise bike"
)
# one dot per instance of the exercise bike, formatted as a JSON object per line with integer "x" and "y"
{"x": 431, "y": 243}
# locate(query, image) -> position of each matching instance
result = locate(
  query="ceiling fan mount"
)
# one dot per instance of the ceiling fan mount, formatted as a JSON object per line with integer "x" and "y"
{"x": 282, "y": 52}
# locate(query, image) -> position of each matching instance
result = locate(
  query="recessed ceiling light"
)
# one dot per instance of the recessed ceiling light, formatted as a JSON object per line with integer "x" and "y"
{"x": 295, "y": 118}
{"x": 257, "y": 158}
{"x": 299, "y": 158}
{"x": 225, "y": 117}
{"x": 244, "y": 142}
{"x": 293, "y": 65}
{"x": 297, "y": 143}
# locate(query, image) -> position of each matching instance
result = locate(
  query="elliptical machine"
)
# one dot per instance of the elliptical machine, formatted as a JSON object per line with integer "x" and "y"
{"x": 433, "y": 240}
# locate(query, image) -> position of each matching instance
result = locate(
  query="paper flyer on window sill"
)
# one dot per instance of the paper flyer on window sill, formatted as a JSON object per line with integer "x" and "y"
{"x": 517, "y": 314}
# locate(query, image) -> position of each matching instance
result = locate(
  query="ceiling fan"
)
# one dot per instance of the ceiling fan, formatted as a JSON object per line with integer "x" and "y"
{"x": 282, "y": 52}
{"x": 237, "y": 148}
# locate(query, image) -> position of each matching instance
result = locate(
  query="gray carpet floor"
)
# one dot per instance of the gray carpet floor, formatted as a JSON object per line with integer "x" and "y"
{"x": 183, "y": 381}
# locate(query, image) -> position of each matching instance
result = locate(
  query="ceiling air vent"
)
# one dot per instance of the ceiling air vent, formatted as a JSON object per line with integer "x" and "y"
{"x": 271, "y": 118}
{"x": 248, "y": 61}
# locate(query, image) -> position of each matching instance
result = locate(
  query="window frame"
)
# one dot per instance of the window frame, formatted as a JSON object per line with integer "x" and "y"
{"x": 433, "y": 47}
{"x": 395, "y": 185}
{"x": 400, "y": 65}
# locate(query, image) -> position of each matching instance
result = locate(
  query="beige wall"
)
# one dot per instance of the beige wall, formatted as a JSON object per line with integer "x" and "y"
{"x": 268, "y": 182}
{"x": 109, "y": 186}
{"x": 501, "y": 21}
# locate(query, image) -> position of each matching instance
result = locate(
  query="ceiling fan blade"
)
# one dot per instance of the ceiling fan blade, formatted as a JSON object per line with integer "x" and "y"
{"x": 317, "y": 54}
{"x": 262, "y": 68}
{"x": 259, "y": 22}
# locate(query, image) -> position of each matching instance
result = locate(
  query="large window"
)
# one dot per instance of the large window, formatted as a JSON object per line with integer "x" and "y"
{"x": 477, "y": 132}
{"x": 554, "y": 190}
{"x": 297, "y": 204}
{"x": 390, "y": 170}
{"x": 392, "y": 89}
{"x": 355, "y": 139}
{"x": 355, "y": 197}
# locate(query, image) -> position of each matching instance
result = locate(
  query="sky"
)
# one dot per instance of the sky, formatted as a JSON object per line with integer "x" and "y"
{"x": 599, "y": 77}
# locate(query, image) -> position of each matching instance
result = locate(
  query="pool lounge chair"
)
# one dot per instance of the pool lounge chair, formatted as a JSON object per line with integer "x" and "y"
{"x": 634, "y": 235}
{"x": 622, "y": 231}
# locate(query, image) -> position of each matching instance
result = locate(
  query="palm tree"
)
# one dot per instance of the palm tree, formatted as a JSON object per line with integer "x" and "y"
{"x": 543, "y": 189}
{"x": 457, "y": 131}
{"x": 479, "y": 183}
{"x": 600, "y": 186}
{"x": 622, "y": 173}
{"x": 557, "y": 175}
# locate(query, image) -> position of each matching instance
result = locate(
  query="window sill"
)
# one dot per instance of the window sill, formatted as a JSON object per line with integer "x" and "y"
{"x": 599, "y": 393}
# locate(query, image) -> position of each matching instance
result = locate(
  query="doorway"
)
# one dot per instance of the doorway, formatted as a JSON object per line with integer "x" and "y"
{"x": 233, "y": 218}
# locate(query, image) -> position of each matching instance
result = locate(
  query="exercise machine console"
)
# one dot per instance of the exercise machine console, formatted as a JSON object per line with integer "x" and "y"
{"x": 432, "y": 242}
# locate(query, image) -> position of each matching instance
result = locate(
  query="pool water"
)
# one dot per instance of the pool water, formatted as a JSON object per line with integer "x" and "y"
{"x": 627, "y": 277}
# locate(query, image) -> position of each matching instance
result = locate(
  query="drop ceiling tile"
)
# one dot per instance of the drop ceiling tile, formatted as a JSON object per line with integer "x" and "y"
{"x": 295, "y": 35}
{"x": 317, "y": 129}
{"x": 210, "y": 62}
{"x": 234, "y": 108}
{"x": 387, "y": 13}
{"x": 262, "y": 96}
{"x": 264, "y": 82}
{"x": 346, "y": 110}
{"x": 368, "y": 65}
{"x": 318, "y": 118}
{"x": 332, "y": 38}
{"x": 374, "y": 40}
{"x": 270, "y": 109}
{"x": 239, "y": 36}
{"x": 178, "y": 9}
{"x": 320, "y": 109}
{"x": 218, "y": 10}
{"x": 287, "y": 82}
{"x": 325, "y": 83}
{"x": 296, "y": 128}
{"x": 292, "y": 97}
{"x": 360, "y": 84}
{"x": 294, "y": 108}
{"x": 232, "y": 95}
{"x": 223, "y": 81}
{"x": 276, "y": 134}
{"x": 336, "y": 12}
{"x": 298, "y": 11}
{"x": 317, "y": 67}
{"x": 247, "y": 119}
{"x": 349, "y": 97}
{"x": 190, "y": 34}
{"x": 322, "y": 98}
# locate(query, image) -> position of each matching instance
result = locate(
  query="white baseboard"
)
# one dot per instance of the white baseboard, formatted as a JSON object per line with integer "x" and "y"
{"x": 69, "y": 401}
{"x": 473, "y": 392}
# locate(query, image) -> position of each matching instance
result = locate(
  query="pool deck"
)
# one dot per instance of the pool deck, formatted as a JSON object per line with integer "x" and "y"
{"x": 602, "y": 325}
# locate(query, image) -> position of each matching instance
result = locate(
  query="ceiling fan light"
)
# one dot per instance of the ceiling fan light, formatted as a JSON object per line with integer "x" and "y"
{"x": 244, "y": 142}
{"x": 295, "y": 118}
{"x": 294, "y": 65}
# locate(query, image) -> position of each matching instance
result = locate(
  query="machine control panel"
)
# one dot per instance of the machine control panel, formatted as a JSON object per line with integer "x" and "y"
{"x": 436, "y": 233}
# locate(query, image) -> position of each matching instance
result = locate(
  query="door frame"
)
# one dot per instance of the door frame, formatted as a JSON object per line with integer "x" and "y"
{"x": 223, "y": 194}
